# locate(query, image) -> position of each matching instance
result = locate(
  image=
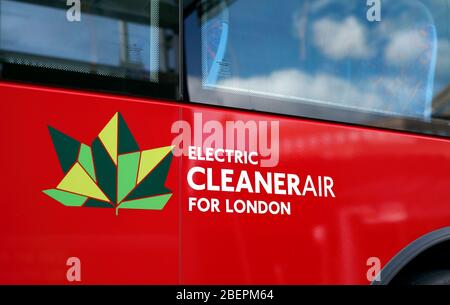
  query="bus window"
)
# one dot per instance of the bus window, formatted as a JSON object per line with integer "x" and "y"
{"x": 114, "y": 41}
{"x": 323, "y": 59}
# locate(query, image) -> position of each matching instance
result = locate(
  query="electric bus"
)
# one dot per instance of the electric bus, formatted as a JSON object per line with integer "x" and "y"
{"x": 225, "y": 142}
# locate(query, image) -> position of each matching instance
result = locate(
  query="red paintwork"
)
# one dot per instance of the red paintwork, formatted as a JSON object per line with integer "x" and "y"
{"x": 391, "y": 189}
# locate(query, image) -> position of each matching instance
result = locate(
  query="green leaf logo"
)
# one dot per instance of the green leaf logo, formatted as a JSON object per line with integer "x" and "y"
{"x": 112, "y": 172}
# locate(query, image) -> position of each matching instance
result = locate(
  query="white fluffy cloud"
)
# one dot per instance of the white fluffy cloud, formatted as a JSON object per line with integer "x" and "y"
{"x": 339, "y": 40}
{"x": 326, "y": 88}
{"x": 296, "y": 84}
{"x": 406, "y": 47}
{"x": 390, "y": 94}
{"x": 319, "y": 4}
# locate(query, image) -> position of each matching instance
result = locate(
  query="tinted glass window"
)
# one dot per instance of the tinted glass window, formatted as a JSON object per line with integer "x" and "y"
{"x": 133, "y": 40}
{"x": 386, "y": 60}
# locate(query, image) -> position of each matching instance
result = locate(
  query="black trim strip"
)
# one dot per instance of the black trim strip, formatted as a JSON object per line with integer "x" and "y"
{"x": 181, "y": 49}
{"x": 86, "y": 81}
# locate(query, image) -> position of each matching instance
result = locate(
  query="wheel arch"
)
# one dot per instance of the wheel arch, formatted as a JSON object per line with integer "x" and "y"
{"x": 410, "y": 252}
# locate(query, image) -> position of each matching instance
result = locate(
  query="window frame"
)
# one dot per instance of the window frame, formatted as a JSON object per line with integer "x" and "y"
{"x": 168, "y": 87}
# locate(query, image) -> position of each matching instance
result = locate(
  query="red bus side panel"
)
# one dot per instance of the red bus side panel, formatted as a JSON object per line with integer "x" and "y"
{"x": 390, "y": 188}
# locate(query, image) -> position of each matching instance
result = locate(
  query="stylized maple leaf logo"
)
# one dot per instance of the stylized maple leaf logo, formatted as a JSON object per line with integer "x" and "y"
{"x": 113, "y": 172}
